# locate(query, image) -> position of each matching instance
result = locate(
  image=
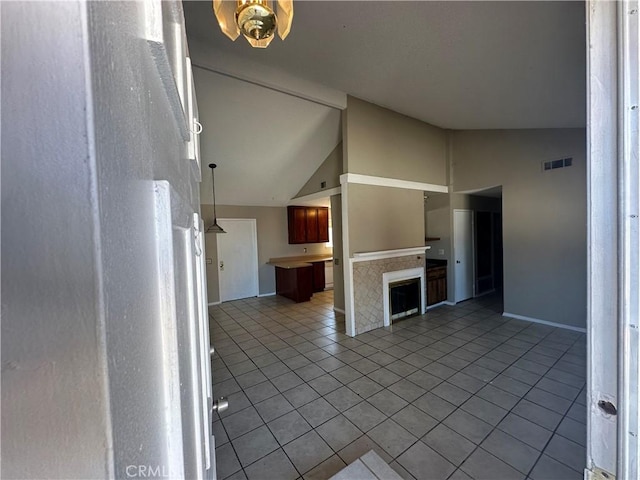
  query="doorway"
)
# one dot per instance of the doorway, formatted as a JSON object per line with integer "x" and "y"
{"x": 237, "y": 259}
{"x": 487, "y": 231}
{"x": 463, "y": 254}
{"x": 488, "y": 257}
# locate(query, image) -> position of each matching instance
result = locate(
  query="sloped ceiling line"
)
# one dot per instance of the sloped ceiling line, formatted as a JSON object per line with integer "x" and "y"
{"x": 266, "y": 143}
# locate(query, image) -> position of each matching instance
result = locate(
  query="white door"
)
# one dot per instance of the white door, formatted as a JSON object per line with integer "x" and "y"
{"x": 463, "y": 253}
{"x": 237, "y": 258}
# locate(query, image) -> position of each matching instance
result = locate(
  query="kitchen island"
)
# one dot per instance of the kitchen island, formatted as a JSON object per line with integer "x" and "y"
{"x": 298, "y": 278}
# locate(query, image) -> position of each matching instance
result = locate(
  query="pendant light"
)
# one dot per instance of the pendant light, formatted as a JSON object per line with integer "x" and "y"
{"x": 256, "y": 20}
{"x": 215, "y": 228}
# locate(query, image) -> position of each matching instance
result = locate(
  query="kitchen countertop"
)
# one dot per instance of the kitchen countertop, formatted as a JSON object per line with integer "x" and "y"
{"x": 298, "y": 261}
{"x": 289, "y": 265}
{"x": 435, "y": 263}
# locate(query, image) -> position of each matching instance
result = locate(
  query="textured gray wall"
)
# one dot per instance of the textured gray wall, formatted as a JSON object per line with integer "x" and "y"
{"x": 438, "y": 224}
{"x": 329, "y": 172}
{"x": 384, "y": 143}
{"x": 384, "y": 218}
{"x": 338, "y": 272}
{"x": 544, "y": 215}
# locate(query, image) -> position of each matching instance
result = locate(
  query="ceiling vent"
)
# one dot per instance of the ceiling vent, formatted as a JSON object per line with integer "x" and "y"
{"x": 554, "y": 164}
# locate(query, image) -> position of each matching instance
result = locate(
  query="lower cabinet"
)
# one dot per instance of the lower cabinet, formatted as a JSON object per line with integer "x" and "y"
{"x": 436, "y": 285}
{"x": 295, "y": 283}
{"x": 318, "y": 276}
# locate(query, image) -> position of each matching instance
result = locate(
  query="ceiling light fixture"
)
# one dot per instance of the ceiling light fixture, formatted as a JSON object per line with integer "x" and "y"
{"x": 215, "y": 228}
{"x": 255, "y": 19}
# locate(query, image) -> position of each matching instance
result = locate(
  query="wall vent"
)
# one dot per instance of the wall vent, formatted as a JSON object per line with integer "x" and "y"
{"x": 553, "y": 164}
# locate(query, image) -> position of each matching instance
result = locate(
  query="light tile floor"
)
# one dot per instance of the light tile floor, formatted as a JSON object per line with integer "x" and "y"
{"x": 458, "y": 393}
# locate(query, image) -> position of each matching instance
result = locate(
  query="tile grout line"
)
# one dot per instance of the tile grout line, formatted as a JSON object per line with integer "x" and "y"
{"x": 439, "y": 324}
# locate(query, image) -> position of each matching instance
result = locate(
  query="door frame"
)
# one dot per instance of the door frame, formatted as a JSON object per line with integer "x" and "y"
{"x": 254, "y": 248}
{"x": 612, "y": 239}
{"x": 473, "y": 254}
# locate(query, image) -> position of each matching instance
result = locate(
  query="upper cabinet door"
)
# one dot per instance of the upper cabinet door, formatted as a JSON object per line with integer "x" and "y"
{"x": 308, "y": 224}
{"x": 297, "y": 217}
{"x": 323, "y": 224}
{"x": 312, "y": 225}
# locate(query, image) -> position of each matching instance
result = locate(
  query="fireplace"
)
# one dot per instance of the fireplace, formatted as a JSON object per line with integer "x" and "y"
{"x": 403, "y": 294}
{"x": 404, "y": 298}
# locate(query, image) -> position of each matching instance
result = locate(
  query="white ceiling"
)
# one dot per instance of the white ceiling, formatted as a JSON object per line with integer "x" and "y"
{"x": 458, "y": 65}
{"x": 266, "y": 144}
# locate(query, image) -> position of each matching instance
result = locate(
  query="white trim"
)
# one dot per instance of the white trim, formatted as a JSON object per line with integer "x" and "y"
{"x": 350, "y": 316}
{"x": 271, "y": 294}
{"x": 339, "y": 310}
{"x": 628, "y": 257}
{"x": 213, "y": 304}
{"x": 315, "y": 196}
{"x": 439, "y": 304}
{"x": 379, "y": 255}
{"x": 396, "y": 276}
{"x": 603, "y": 241}
{"x": 544, "y": 322}
{"x": 346, "y": 178}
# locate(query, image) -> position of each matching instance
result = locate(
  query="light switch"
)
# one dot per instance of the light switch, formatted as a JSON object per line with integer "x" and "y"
{"x": 209, "y": 261}
{"x": 441, "y": 251}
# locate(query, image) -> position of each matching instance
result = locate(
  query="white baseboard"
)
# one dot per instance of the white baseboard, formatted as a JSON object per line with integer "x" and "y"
{"x": 339, "y": 310}
{"x": 544, "y": 322}
{"x": 267, "y": 294}
{"x": 439, "y": 304}
{"x": 213, "y": 304}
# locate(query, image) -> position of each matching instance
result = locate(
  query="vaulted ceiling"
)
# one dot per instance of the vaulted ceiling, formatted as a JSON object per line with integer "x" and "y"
{"x": 457, "y": 65}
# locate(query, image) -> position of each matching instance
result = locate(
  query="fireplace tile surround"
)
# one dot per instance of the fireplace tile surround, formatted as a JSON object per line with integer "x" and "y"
{"x": 368, "y": 300}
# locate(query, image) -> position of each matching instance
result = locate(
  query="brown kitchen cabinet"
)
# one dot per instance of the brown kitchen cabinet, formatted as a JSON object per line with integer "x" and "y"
{"x": 436, "y": 285}
{"x": 318, "y": 276}
{"x": 295, "y": 282}
{"x": 323, "y": 224}
{"x": 308, "y": 224}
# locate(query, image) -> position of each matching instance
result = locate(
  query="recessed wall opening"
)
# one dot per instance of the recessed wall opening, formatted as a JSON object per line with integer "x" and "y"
{"x": 404, "y": 298}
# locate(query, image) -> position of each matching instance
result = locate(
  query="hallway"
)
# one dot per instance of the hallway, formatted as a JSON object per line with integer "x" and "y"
{"x": 458, "y": 393}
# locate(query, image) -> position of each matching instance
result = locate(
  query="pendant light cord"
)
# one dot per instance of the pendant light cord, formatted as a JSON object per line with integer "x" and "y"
{"x": 213, "y": 189}
{"x": 215, "y": 228}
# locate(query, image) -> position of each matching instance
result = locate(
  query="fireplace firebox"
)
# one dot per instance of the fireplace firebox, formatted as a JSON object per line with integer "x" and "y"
{"x": 404, "y": 298}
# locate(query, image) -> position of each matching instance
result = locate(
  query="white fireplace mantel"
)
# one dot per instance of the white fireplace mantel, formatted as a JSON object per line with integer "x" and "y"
{"x": 381, "y": 254}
